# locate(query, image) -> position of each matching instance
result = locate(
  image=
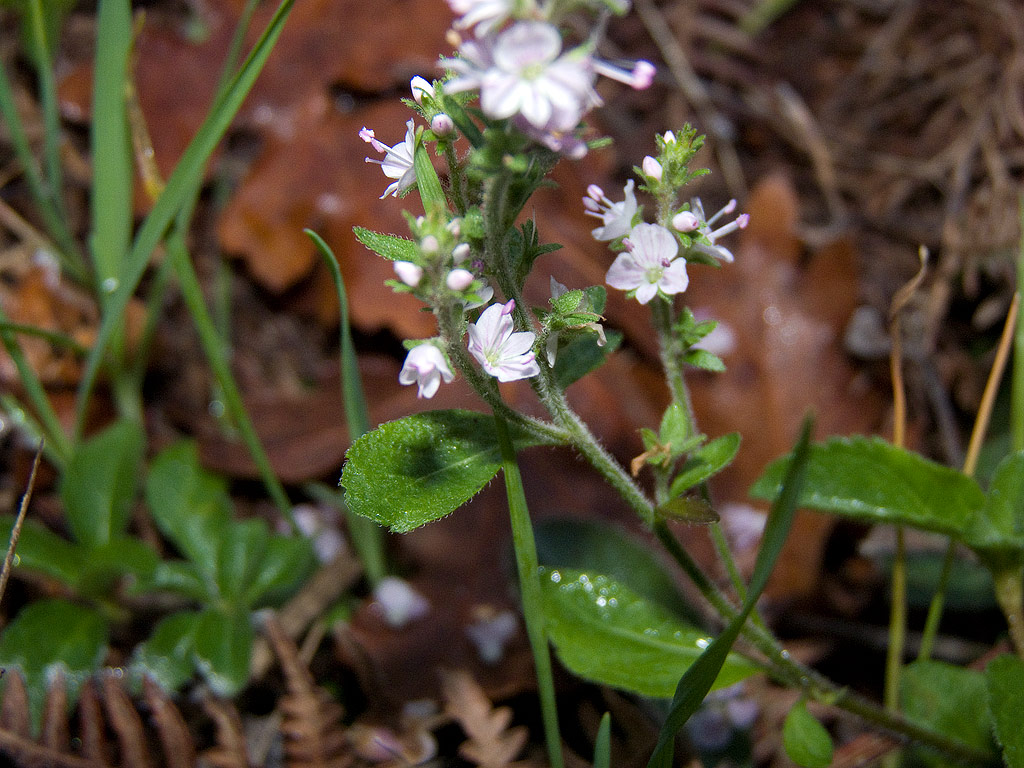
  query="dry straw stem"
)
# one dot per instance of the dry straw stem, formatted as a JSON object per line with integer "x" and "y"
{"x": 5, "y": 573}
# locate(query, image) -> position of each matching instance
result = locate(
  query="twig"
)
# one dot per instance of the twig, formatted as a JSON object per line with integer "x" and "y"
{"x": 5, "y": 574}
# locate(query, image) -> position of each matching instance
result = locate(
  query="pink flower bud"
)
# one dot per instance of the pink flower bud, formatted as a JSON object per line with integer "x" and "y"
{"x": 685, "y": 222}
{"x": 669, "y": 137}
{"x": 643, "y": 75}
{"x": 459, "y": 279}
{"x": 429, "y": 244}
{"x": 408, "y": 273}
{"x": 651, "y": 168}
{"x": 460, "y": 253}
{"x": 442, "y": 125}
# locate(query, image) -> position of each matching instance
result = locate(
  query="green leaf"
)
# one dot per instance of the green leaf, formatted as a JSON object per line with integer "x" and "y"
{"x": 223, "y": 646}
{"x": 948, "y": 699}
{"x": 692, "y": 509}
{"x": 286, "y": 563}
{"x": 871, "y": 480}
{"x": 675, "y": 426}
{"x": 190, "y": 506}
{"x": 107, "y": 564}
{"x": 51, "y": 634}
{"x": 182, "y": 578}
{"x": 699, "y": 678}
{"x": 391, "y": 247}
{"x": 429, "y": 185}
{"x": 806, "y": 741}
{"x": 997, "y": 529}
{"x": 588, "y": 545}
{"x": 706, "y": 361}
{"x": 704, "y": 462}
{"x": 238, "y": 558}
{"x": 167, "y": 656}
{"x": 605, "y": 632}
{"x": 100, "y": 482}
{"x": 40, "y": 549}
{"x": 415, "y": 470}
{"x": 1004, "y": 677}
{"x": 583, "y": 355}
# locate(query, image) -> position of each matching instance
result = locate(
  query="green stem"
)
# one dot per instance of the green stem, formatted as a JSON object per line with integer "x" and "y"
{"x": 897, "y": 626}
{"x": 1010, "y": 596}
{"x": 529, "y": 585}
{"x": 931, "y": 623}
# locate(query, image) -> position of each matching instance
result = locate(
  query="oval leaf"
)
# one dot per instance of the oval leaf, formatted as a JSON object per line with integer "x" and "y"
{"x": 806, "y": 741}
{"x": 223, "y": 647}
{"x": 871, "y": 480}
{"x": 415, "y": 470}
{"x": 100, "y": 481}
{"x": 166, "y": 656}
{"x": 948, "y": 699}
{"x": 1005, "y": 679}
{"x": 998, "y": 527}
{"x": 605, "y": 632}
{"x": 708, "y": 460}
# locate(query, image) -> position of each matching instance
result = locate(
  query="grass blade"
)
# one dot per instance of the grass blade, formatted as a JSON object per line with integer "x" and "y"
{"x": 698, "y": 679}
{"x": 179, "y": 189}
{"x": 366, "y": 535}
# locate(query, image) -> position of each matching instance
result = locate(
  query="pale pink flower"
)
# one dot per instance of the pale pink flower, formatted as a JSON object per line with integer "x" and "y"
{"x": 398, "y": 160}
{"x": 713, "y": 235}
{"x": 617, "y": 218}
{"x": 425, "y": 366}
{"x": 503, "y": 352}
{"x": 651, "y": 168}
{"x": 485, "y": 15}
{"x": 408, "y": 273}
{"x": 649, "y": 264}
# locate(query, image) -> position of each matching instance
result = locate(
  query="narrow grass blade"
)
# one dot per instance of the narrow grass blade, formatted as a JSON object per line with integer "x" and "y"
{"x": 179, "y": 189}
{"x": 112, "y": 171}
{"x": 698, "y": 679}
{"x": 603, "y": 743}
{"x": 47, "y": 99}
{"x": 366, "y": 535}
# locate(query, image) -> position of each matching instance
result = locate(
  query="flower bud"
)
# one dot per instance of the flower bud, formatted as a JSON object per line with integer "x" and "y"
{"x": 651, "y": 168}
{"x": 685, "y": 221}
{"x": 669, "y": 137}
{"x": 460, "y": 253}
{"x": 442, "y": 125}
{"x": 408, "y": 273}
{"x": 421, "y": 87}
{"x": 459, "y": 279}
{"x": 429, "y": 245}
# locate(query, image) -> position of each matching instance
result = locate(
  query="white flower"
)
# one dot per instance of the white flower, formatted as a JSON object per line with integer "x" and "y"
{"x": 398, "y": 160}
{"x": 649, "y": 265}
{"x": 504, "y": 353}
{"x": 704, "y": 228}
{"x": 408, "y": 273}
{"x": 485, "y": 15}
{"x": 616, "y": 217}
{"x": 521, "y": 72}
{"x": 425, "y": 365}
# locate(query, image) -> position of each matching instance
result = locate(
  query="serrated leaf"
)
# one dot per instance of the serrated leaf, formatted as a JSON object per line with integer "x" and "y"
{"x": 48, "y": 634}
{"x": 997, "y": 529}
{"x": 706, "y": 361}
{"x": 415, "y": 470}
{"x": 948, "y": 699}
{"x": 100, "y": 481}
{"x": 390, "y": 247}
{"x": 1004, "y": 678}
{"x": 40, "y": 549}
{"x": 583, "y": 355}
{"x": 807, "y": 742}
{"x": 602, "y": 548}
{"x": 167, "y": 656}
{"x": 605, "y": 632}
{"x": 871, "y": 480}
{"x": 705, "y": 462}
{"x": 223, "y": 647}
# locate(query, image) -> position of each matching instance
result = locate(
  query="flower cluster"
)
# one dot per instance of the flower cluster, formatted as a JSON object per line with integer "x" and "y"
{"x": 516, "y": 61}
